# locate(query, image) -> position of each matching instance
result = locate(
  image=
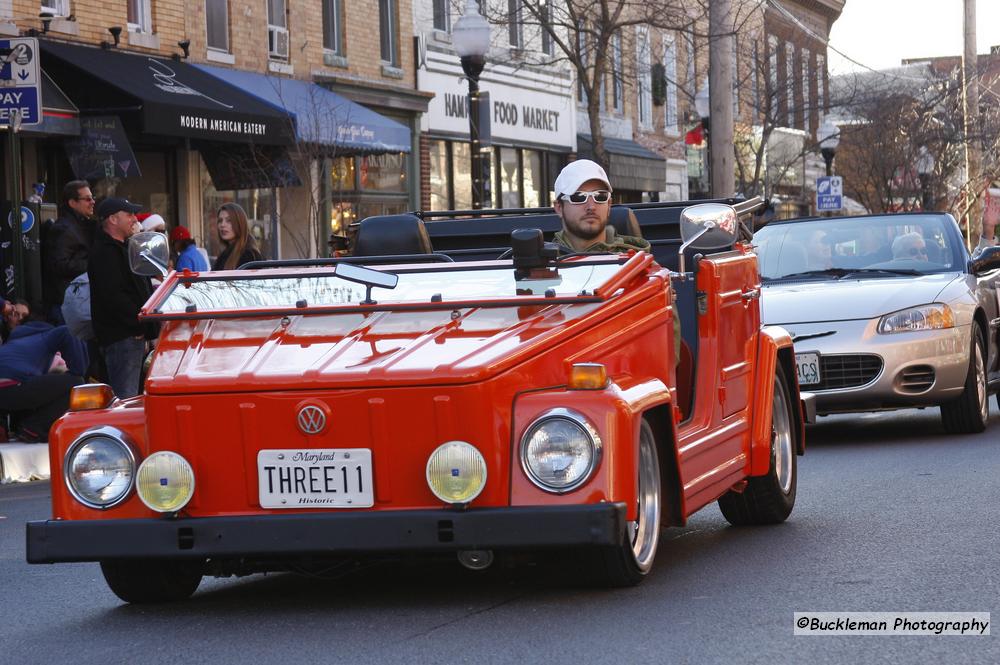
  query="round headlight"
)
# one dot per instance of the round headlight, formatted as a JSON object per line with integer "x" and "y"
{"x": 456, "y": 472}
{"x": 165, "y": 482}
{"x": 560, "y": 450}
{"x": 100, "y": 468}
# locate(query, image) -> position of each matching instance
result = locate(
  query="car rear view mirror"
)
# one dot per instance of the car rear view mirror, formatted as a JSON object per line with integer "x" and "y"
{"x": 367, "y": 277}
{"x": 148, "y": 254}
{"x": 707, "y": 227}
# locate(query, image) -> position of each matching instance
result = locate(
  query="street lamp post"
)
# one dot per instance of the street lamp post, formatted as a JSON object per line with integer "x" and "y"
{"x": 925, "y": 169}
{"x": 703, "y": 109}
{"x": 471, "y": 37}
{"x": 829, "y": 138}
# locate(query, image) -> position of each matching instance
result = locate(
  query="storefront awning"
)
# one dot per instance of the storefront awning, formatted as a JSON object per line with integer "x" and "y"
{"x": 60, "y": 117}
{"x": 170, "y": 98}
{"x": 322, "y": 117}
{"x": 633, "y": 167}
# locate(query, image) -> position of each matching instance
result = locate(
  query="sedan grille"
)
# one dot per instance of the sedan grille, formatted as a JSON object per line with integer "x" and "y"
{"x": 847, "y": 371}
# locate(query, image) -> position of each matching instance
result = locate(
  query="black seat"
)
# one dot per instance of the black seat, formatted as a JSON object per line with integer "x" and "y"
{"x": 623, "y": 220}
{"x": 387, "y": 235}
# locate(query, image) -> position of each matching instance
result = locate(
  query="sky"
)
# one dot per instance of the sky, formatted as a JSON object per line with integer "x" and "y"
{"x": 881, "y": 33}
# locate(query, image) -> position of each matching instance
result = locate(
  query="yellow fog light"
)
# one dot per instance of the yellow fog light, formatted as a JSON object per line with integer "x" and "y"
{"x": 165, "y": 482}
{"x": 456, "y": 472}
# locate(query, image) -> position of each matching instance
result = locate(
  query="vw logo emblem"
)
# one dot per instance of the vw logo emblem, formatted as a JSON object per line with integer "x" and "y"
{"x": 311, "y": 419}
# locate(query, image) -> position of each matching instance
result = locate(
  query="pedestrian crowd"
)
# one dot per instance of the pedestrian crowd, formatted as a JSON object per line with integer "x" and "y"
{"x": 87, "y": 328}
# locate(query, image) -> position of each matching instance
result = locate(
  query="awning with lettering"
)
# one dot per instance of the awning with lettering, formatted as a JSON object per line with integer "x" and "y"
{"x": 165, "y": 97}
{"x": 322, "y": 117}
{"x": 633, "y": 167}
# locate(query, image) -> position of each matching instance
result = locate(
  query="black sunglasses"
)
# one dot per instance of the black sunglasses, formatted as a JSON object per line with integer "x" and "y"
{"x": 918, "y": 251}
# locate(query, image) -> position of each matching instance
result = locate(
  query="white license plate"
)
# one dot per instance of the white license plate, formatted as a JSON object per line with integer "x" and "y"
{"x": 315, "y": 478}
{"x": 807, "y": 366}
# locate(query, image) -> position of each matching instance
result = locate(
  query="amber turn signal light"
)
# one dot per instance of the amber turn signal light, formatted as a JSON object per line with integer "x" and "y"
{"x": 588, "y": 376}
{"x": 91, "y": 396}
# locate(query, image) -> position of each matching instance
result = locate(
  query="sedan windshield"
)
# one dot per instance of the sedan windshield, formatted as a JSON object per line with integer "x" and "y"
{"x": 848, "y": 247}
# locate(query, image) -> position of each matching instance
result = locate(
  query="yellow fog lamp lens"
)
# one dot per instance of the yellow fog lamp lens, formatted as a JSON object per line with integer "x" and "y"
{"x": 165, "y": 482}
{"x": 456, "y": 472}
{"x": 90, "y": 396}
{"x": 588, "y": 376}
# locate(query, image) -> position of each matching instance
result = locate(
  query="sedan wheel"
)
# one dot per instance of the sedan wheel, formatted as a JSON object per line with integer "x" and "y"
{"x": 969, "y": 413}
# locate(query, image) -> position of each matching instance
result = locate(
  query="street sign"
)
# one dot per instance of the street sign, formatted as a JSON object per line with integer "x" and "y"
{"x": 829, "y": 193}
{"x": 27, "y": 219}
{"x": 20, "y": 82}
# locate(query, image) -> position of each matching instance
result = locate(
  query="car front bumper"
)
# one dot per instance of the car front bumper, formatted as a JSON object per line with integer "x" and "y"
{"x": 945, "y": 353}
{"x": 331, "y": 534}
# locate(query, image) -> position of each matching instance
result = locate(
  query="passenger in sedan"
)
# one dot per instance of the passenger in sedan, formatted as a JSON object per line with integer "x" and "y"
{"x": 909, "y": 247}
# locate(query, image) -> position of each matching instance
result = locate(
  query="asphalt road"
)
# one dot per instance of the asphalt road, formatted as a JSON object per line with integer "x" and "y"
{"x": 892, "y": 515}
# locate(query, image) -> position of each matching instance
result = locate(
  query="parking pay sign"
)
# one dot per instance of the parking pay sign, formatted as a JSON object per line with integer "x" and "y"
{"x": 829, "y": 193}
{"x": 19, "y": 81}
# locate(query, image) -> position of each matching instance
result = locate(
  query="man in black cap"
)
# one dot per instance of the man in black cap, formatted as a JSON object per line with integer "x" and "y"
{"x": 116, "y": 295}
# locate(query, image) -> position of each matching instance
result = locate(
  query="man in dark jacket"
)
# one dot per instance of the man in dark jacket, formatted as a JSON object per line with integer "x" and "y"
{"x": 116, "y": 295}
{"x": 66, "y": 245}
{"x": 27, "y": 388}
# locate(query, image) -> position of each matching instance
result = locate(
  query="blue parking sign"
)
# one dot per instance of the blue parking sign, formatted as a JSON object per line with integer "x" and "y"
{"x": 829, "y": 193}
{"x": 20, "y": 96}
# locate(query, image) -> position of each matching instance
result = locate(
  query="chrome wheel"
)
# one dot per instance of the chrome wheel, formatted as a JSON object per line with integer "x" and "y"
{"x": 644, "y": 533}
{"x": 782, "y": 439}
{"x": 981, "y": 394}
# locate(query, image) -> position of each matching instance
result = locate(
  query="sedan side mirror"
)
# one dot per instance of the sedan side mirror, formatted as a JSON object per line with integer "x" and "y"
{"x": 985, "y": 261}
{"x": 148, "y": 254}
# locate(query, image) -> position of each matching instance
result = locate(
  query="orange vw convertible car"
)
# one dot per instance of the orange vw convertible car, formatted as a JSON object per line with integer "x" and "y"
{"x": 294, "y": 416}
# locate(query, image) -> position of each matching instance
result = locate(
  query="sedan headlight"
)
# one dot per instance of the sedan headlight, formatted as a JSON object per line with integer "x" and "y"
{"x": 166, "y": 482}
{"x": 560, "y": 450}
{"x": 935, "y": 316}
{"x": 100, "y": 467}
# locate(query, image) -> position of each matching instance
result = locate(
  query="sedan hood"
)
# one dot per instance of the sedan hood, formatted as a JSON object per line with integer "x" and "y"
{"x": 847, "y": 299}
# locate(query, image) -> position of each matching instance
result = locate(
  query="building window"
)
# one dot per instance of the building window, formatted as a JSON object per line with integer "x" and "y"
{"x": 790, "y": 84}
{"x": 388, "y": 25}
{"x": 644, "y": 77}
{"x": 617, "y": 73}
{"x": 735, "y": 72}
{"x": 807, "y": 105}
{"x": 217, "y": 20}
{"x": 755, "y": 81}
{"x": 140, "y": 16}
{"x": 692, "y": 79}
{"x": 515, "y": 24}
{"x": 333, "y": 40}
{"x": 56, "y": 7}
{"x": 548, "y": 46}
{"x": 821, "y": 97}
{"x": 670, "y": 74}
{"x": 277, "y": 30}
{"x": 442, "y": 15}
{"x": 772, "y": 72}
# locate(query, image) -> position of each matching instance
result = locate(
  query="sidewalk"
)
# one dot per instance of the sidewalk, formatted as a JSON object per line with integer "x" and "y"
{"x": 21, "y": 462}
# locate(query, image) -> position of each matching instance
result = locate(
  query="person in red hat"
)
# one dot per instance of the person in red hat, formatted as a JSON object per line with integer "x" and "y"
{"x": 188, "y": 256}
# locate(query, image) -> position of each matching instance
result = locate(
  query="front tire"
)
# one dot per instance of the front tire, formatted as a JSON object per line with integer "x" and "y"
{"x": 969, "y": 413}
{"x": 769, "y": 499}
{"x": 152, "y": 581}
{"x": 628, "y": 563}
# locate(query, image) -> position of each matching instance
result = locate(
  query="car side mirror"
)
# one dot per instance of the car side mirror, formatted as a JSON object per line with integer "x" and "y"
{"x": 985, "y": 261}
{"x": 148, "y": 254}
{"x": 707, "y": 227}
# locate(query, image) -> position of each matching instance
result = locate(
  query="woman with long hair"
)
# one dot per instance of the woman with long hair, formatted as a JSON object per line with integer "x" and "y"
{"x": 234, "y": 232}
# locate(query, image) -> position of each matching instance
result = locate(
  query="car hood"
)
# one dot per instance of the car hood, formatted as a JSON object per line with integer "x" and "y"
{"x": 848, "y": 299}
{"x": 358, "y": 350}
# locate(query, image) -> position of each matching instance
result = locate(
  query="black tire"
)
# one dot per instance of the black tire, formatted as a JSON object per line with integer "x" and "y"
{"x": 152, "y": 581}
{"x": 628, "y": 563}
{"x": 969, "y": 413}
{"x": 769, "y": 499}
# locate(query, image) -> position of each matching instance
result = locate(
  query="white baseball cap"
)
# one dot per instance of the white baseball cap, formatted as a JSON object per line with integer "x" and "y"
{"x": 576, "y": 173}
{"x": 154, "y": 223}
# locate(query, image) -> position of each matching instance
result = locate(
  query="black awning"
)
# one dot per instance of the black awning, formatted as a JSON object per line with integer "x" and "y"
{"x": 170, "y": 98}
{"x": 59, "y": 115}
{"x": 633, "y": 167}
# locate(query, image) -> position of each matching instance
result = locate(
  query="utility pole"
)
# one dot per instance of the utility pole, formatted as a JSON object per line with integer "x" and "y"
{"x": 720, "y": 87}
{"x": 973, "y": 151}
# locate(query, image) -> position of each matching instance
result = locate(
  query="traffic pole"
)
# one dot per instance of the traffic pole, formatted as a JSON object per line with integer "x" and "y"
{"x": 19, "y": 288}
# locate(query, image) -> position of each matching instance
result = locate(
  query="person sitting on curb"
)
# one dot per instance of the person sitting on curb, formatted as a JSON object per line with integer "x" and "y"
{"x": 28, "y": 389}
